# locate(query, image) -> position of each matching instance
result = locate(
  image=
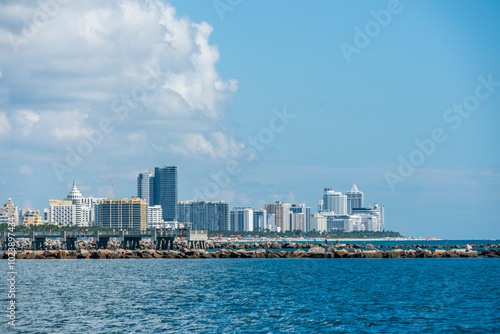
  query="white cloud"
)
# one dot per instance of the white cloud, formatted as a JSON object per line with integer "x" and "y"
{"x": 4, "y": 124}
{"x": 67, "y": 124}
{"x": 490, "y": 173}
{"x": 26, "y": 170}
{"x": 215, "y": 145}
{"x": 25, "y": 120}
{"x": 91, "y": 53}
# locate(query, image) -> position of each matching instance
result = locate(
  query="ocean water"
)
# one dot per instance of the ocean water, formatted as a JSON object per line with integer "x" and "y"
{"x": 254, "y": 296}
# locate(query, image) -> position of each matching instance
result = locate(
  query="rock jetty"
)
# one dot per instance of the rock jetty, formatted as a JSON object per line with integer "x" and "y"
{"x": 312, "y": 252}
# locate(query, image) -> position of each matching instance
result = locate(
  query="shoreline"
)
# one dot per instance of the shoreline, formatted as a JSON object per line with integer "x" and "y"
{"x": 319, "y": 239}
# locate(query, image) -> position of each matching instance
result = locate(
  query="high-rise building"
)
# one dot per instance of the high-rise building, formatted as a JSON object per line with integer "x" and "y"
{"x": 75, "y": 196}
{"x": 372, "y": 217}
{"x": 10, "y": 213}
{"x": 354, "y": 199}
{"x": 381, "y": 216}
{"x": 160, "y": 188}
{"x": 318, "y": 223}
{"x": 259, "y": 219}
{"x": 241, "y": 219}
{"x": 62, "y": 213}
{"x": 88, "y": 210}
{"x": 122, "y": 213}
{"x": 282, "y": 214}
{"x": 297, "y": 221}
{"x": 155, "y": 216}
{"x": 339, "y": 223}
{"x": 85, "y": 207}
{"x": 271, "y": 222}
{"x": 212, "y": 216}
{"x": 302, "y": 208}
{"x": 334, "y": 201}
{"x": 144, "y": 187}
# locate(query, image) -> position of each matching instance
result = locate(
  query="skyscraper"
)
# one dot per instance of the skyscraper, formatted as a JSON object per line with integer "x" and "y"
{"x": 160, "y": 188}
{"x": 282, "y": 214}
{"x": 242, "y": 219}
{"x": 302, "y": 208}
{"x": 122, "y": 213}
{"x": 75, "y": 196}
{"x": 165, "y": 192}
{"x": 144, "y": 185}
{"x": 259, "y": 219}
{"x": 354, "y": 199}
{"x": 212, "y": 216}
{"x": 334, "y": 201}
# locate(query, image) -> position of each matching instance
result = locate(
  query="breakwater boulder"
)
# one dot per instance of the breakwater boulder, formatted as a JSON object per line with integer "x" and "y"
{"x": 317, "y": 251}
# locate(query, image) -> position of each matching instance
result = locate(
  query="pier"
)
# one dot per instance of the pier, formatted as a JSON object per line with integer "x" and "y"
{"x": 162, "y": 239}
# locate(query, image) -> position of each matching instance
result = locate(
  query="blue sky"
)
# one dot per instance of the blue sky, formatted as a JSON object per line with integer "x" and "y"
{"x": 214, "y": 85}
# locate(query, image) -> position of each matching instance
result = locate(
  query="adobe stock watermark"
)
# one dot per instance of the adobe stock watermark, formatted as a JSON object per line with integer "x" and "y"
{"x": 453, "y": 117}
{"x": 46, "y": 11}
{"x": 11, "y": 274}
{"x": 223, "y": 6}
{"x": 373, "y": 28}
{"x": 255, "y": 144}
{"x": 120, "y": 108}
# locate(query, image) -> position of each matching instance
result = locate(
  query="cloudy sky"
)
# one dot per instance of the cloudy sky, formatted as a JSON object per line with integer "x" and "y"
{"x": 258, "y": 101}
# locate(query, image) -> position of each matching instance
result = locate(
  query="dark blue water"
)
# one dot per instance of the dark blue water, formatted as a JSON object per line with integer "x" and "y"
{"x": 255, "y": 295}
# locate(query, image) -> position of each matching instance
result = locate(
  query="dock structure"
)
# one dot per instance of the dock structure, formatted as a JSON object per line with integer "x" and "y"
{"x": 162, "y": 239}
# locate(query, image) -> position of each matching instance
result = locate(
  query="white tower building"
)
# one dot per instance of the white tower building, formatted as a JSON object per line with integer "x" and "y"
{"x": 334, "y": 201}
{"x": 354, "y": 199}
{"x": 62, "y": 213}
{"x": 154, "y": 216}
{"x": 242, "y": 219}
{"x": 75, "y": 196}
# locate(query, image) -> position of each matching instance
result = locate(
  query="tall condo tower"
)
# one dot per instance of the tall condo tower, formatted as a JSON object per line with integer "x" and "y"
{"x": 354, "y": 199}
{"x": 165, "y": 191}
{"x": 144, "y": 187}
{"x": 282, "y": 214}
{"x": 334, "y": 201}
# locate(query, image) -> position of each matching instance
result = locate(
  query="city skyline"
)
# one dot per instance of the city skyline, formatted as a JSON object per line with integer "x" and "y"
{"x": 78, "y": 210}
{"x": 259, "y": 103}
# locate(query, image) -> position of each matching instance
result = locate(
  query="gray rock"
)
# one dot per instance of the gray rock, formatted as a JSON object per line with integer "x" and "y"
{"x": 316, "y": 250}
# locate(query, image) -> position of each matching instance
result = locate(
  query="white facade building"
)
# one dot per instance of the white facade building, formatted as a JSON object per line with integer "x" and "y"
{"x": 282, "y": 214}
{"x": 10, "y": 213}
{"x": 154, "y": 216}
{"x": 318, "y": 223}
{"x": 75, "y": 196}
{"x": 297, "y": 221}
{"x": 372, "y": 218}
{"x": 62, "y": 213}
{"x": 85, "y": 206}
{"x": 334, "y": 201}
{"x": 271, "y": 222}
{"x": 241, "y": 219}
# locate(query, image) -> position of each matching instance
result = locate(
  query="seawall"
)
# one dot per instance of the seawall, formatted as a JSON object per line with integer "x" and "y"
{"x": 314, "y": 252}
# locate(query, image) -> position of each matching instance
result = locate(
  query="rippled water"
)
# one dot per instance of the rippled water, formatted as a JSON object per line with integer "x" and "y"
{"x": 255, "y": 295}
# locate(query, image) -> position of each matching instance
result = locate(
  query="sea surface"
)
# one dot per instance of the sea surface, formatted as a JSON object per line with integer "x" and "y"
{"x": 456, "y": 295}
